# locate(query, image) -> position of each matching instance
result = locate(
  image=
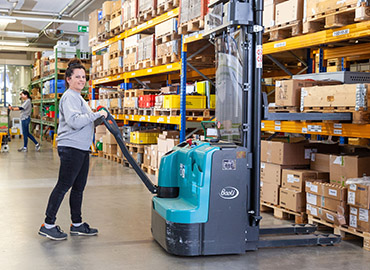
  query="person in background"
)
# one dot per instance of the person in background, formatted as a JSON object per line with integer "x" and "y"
{"x": 75, "y": 136}
{"x": 26, "y": 109}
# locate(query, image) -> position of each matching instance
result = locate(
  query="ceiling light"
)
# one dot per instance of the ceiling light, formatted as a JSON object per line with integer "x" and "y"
{"x": 2, "y": 20}
{"x": 13, "y": 43}
{"x": 19, "y": 34}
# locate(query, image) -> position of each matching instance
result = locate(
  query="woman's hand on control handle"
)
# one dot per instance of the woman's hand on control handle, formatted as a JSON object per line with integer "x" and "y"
{"x": 103, "y": 113}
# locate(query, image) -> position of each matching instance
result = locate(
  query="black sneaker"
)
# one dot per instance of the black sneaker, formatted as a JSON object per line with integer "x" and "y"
{"x": 54, "y": 233}
{"x": 83, "y": 229}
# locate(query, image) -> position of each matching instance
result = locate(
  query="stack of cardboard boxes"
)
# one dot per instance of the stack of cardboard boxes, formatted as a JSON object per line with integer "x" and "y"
{"x": 359, "y": 203}
{"x": 166, "y": 141}
{"x": 275, "y": 158}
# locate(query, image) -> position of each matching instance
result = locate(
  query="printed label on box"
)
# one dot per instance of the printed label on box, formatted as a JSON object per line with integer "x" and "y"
{"x": 333, "y": 192}
{"x": 307, "y": 153}
{"x": 311, "y": 199}
{"x": 314, "y": 188}
{"x": 263, "y": 165}
{"x": 352, "y": 187}
{"x": 353, "y": 211}
{"x": 313, "y": 157}
{"x": 351, "y": 197}
{"x": 308, "y": 184}
{"x": 290, "y": 178}
{"x": 363, "y": 215}
{"x": 353, "y": 221}
{"x": 314, "y": 211}
{"x": 338, "y": 161}
{"x": 330, "y": 217}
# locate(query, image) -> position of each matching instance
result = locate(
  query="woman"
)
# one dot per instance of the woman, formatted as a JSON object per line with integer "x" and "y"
{"x": 75, "y": 135}
{"x": 26, "y": 109}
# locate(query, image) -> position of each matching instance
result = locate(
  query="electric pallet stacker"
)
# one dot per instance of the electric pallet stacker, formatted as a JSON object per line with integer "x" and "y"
{"x": 208, "y": 194}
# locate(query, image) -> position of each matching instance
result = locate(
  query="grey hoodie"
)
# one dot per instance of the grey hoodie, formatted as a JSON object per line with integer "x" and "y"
{"x": 76, "y": 121}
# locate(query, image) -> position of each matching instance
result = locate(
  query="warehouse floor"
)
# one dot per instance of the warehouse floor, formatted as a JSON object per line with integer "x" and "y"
{"x": 118, "y": 204}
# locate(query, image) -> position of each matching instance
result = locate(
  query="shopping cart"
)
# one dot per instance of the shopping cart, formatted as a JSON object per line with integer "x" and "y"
{"x": 4, "y": 129}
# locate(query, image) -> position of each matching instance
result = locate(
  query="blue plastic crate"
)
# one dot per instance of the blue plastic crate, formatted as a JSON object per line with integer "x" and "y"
{"x": 61, "y": 86}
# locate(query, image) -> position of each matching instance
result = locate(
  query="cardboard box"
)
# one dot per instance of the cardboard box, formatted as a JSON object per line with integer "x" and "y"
{"x": 110, "y": 149}
{"x": 107, "y": 8}
{"x": 283, "y": 153}
{"x": 292, "y": 200}
{"x": 109, "y": 139}
{"x": 166, "y": 28}
{"x": 316, "y": 7}
{"x": 154, "y": 156}
{"x": 147, "y": 156}
{"x": 288, "y": 92}
{"x": 270, "y": 193}
{"x": 271, "y": 173}
{"x": 327, "y": 215}
{"x": 320, "y": 162}
{"x": 345, "y": 167}
{"x": 359, "y": 195}
{"x": 269, "y": 13}
{"x": 359, "y": 219}
{"x": 101, "y": 129}
{"x": 93, "y": 25}
{"x": 329, "y": 96}
{"x": 327, "y": 203}
{"x": 296, "y": 179}
{"x": 328, "y": 190}
{"x": 313, "y": 210}
{"x": 289, "y": 11}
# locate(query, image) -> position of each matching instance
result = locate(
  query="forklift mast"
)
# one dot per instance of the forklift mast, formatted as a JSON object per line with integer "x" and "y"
{"x": 235, "y": 27}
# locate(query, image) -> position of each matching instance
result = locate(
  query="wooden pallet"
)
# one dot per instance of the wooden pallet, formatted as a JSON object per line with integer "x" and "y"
{"x": 193, "y": 25}
{"x": 146, "y": 15}
{"x": 282, "y": 213}
{"x": 166, "y": 59}
{"x": 93, "y": 42}
{"x": 145, "y": 111}
{"x": 130, "y": 111}
{"x": 283, "y": 31}
{"x": 115, "y": 110}
{"x": 95, "y": 76}
{"x": 140, "y": 92}
{"x": 167, "y": 6}
{"x": 104, "y": 73}
{"x": 149, "y": 170}
{"x": 135, "y": 148}
{"x": 117, "y": 94}
{"x": 103, "y": 36}
{"x": 115, "y": 71}
{"x": 166, "y": 38}
{"x": 115, "y": 54}
{"x": 129, "y": 67}
{"x": 206, "y": 113}
{"x": 287, "y": 109}
{"x": 115, "y": 14}
{"x": 105, "y": 19}
{"x": 343, "y": 231}
{"x": 145, "y": 64}
{"x": 59, "y": 95}
{"x": 332, "y": 19}
{"x": 116, "y": 31}
{"x": 129, "y": 24}
{"x": 108, "y": 156}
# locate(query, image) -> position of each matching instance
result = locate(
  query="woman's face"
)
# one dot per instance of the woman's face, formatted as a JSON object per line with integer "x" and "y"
{"x": 78, "y": 79}
{"x": 23, "y": 96}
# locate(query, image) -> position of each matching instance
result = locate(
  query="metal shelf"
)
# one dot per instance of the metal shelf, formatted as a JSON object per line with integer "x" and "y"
{"x": 140, "y": 73}
{"x": 44, "y": 79}
{"x": 318, "y": 128}
{"x": 144, "y": 26}
{"x": 353, "y": 31}
{"x": 172, "y": 120}
{"x": 48, "y": 100}
{"x": 43, "y": 122}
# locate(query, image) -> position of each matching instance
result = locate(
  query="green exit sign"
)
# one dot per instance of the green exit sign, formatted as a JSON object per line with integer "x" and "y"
{"x": 83, "y": 29}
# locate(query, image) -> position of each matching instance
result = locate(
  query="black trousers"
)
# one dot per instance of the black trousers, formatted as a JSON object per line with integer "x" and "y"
{"x": 73, "y": 171}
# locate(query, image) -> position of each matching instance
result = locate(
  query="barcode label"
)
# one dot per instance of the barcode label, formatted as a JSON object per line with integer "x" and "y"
{"x": 341, "y": 32}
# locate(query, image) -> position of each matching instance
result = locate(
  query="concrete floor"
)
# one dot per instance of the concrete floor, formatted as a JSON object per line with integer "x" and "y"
{"x": 118, "y": 204}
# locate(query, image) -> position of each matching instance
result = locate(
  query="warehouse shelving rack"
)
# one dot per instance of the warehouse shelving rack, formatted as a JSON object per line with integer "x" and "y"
{"x": 54, "y": 101}
{"x": 346, "y": 53}
{"x": 173, "y": 71}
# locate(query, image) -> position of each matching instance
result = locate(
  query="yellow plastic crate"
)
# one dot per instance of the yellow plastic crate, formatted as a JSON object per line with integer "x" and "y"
{"x": 212, "y": 102}
{"x": 192, "y": 102}
{"x": 144, "y": 137}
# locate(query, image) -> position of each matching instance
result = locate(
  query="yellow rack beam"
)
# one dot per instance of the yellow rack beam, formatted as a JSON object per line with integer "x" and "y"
{"x": 144, "y": 26}
{"x": 153, "y": 70}
{"x": 346, "y": 51}
{"x": 353, "y": 31}
{"x": 193, "y": 38}
{"x": 319, "y": 128}
{"x": 172, "y": 120}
